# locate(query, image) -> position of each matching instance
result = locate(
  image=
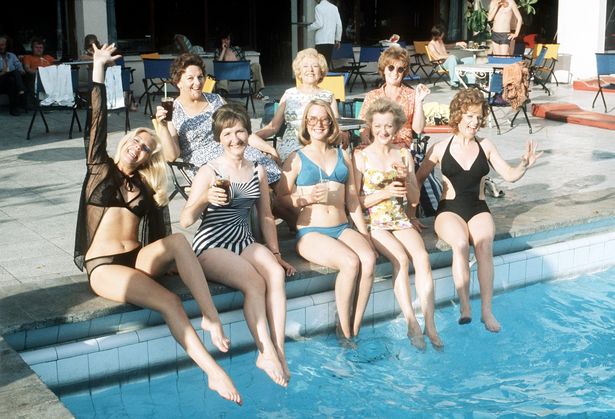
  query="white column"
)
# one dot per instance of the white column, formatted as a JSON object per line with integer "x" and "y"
{"x": 581, "y": 28}
{"x": 90, "y": 17}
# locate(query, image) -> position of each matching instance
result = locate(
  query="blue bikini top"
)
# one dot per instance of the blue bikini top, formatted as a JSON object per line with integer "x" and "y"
{"x": 311, "y": 173}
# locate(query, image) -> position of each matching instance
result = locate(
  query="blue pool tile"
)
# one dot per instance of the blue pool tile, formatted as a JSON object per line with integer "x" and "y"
{"x": 516, "y": 272}
{"x": 295, "y": 323}
{"x": 533, "y": 269}
{"x": 513, "y": 257}
{"x": 296, "y": 288}
{"x": 323, "y": 297}
{"x": 320, "y": 284}
{"x": 134, "y": 320}
{"x": 73, "y": 331}
{"x": 38, "y": 356}
{"x": 550, "y": 267}
{"x": 73, "y": 349}
{"x": 104, "y": 325}
{"x": 153, "y": 332}
{"x": 115, "y": 341}
{"x": 229, "y": 317}
{"x": 316, "y": 318}
{"x": 382, "y": 284}
{"x": 161, "y": 350}
{"x": 17, "y": 340}
{"x": 500, "y": 276}
{"x": 240, "y": 334}
{"x": 444, "y": 289}
{"x": 133, "y": 356}
{"x": 36, "y": 338}
{"x": 383, "y": 302}
{"x": 155, "y": 318}
{"x": 73, "y": 370}
{"x": 566, "y": 262}
{"x": 609, "y": 249}
{"x": 581, "y": 256}
{"x": 47, "y": 372}
{"x": 223, "y": 302}
{"x": 300, "y": 302}
{"x": 104, "y": 363}
{"x": 596, "y": 253}
{"x": 192, "y": 308}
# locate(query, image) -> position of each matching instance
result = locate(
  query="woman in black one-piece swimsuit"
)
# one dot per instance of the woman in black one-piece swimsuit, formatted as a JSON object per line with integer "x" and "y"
{"x": 463, "y": 217}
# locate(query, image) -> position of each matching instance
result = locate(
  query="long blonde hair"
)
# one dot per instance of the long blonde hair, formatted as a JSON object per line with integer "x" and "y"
{"x": 154, "y": 171}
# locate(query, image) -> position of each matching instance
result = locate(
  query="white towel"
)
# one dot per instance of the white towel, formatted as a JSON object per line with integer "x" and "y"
{"x": 58, "y": 85}
{"x": 113, "y": 83}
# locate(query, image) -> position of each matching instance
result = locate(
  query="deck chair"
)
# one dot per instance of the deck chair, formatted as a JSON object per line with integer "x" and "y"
{"x": 550, "y": 61}
{"x": 269, "y": 112}
{"x": 209, "y": 85}
{"x": 438, "y": 72}
{"x": 156, "y": 72}
{"x": 366, "y": 56}
{"x": 41, "y": 107}
{"x": 496, "y": 88}
{"x": 420, "y": 59}
{"x": 605, "y": 64}
{"x": 237, "y": 71}
{"x": 346, "y": 52}
{"x": 538, "y": 68}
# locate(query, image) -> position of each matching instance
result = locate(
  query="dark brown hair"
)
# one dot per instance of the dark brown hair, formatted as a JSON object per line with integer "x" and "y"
{"x": 182, "y": 62}
{"x": 227, "y": 116}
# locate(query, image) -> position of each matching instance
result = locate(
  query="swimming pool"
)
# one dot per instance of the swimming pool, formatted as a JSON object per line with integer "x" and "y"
{"x": 554, "y": 356}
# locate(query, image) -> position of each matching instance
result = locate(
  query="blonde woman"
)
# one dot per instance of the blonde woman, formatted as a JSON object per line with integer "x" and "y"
{"x": 120, "y": 195}
{"x": 318, "y": 180}
{"x": 385, "y": 177}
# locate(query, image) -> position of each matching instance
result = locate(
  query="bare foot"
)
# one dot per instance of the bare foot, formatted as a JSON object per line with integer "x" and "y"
{"x": 282, "y": 358}
{"x": 217, "y": 334}
{"x": 223, "y": 385}
{"x": 273, "y": 368}
{"x": 434, "y": 338}
{"x": 340, "y": 333}
{"x": 465, "y": 316}
{"x": 491, "y": 323}
{"x": 415, "y": 334}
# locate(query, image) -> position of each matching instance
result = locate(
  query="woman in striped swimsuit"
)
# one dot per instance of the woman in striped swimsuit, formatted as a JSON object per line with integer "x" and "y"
{"x": 224, "y": 243}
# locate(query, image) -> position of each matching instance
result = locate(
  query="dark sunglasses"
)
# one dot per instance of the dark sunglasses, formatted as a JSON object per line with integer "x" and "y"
{"x": 399, "y": 69}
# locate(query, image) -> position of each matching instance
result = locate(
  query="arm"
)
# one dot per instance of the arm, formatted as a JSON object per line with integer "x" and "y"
{"x": 517, "y": 15}
{"x": 318, "y": 20}
{"x": 202, "y": 193}
{"x": 429, "y": 162}
{"x": 494, "y": 6}
{"x": 393, "y": 189}
{"x": 26, "y": 66}
{"x": 168, "y": 135}
{"x": 267, "y": 222}
{"x": 286, "y": 185}
{"x": 338, "y": 29}
{"x": 258, "y": 143}
{"x": 418, "y": 118}
{"x": 510, "y": 173}
{"x": 352, "y": 200}
{"x": 276, "y": 122}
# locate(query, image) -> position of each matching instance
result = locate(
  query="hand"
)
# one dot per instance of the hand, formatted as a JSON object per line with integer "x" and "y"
{"x": 161, "y": 115}
{"x": 396, "y": 189}
{"x": 461, "y": 44}
{"x": 104, "y": 53}
{"x": 319, "y": 192}
{"x": 337, "y": 44}
{"x": 217, "y": 196}
{"x": 288, "y": 268}
{"x": 530, "y": 156}
{"x": 417, "y": 224}
{"x": 421, "y": 92}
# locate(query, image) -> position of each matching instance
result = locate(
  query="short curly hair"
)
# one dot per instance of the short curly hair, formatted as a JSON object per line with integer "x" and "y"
{"x": 334, "y": 129}
{"x": 460, "y": 104}
{"x": 385, "y": 105}
{"x": 310, "y": 53}
{"x": 182, "y": 62}
{"x": 392, "y": 54}
{"x": 228, "y": 115}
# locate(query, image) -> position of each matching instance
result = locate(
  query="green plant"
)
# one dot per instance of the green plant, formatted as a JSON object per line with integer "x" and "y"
{"x": 526, "y": 6}
{"x": 476, "y": 19}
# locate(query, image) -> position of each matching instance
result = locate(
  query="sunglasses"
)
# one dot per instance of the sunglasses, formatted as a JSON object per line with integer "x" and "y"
{"x": 143, "y": 146}
{"x": 392, "y": 68}
{"x": 312, "y": 120}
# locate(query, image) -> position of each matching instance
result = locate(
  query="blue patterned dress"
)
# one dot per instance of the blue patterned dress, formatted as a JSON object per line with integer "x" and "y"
{"x": 196, "y": 138}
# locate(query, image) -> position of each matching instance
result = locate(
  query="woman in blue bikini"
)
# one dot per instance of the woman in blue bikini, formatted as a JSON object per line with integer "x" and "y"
{"x": 319, "y": 181}
{"x": 463, "y": 216}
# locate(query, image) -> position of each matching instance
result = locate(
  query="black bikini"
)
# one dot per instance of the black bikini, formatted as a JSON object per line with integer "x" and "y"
{"x": 466, "y": 184}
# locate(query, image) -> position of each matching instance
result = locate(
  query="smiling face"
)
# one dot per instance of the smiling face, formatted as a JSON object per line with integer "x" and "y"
{"x": 318, "y": 123}
{"x": 191, "y": 82}
{"x": 234, "y": 139}
{"x": 471, "y": 121}
{"x": 383, "y": 127}
{"x": 310, "y": 72}
{"x": 137, "y": 150}
{"x": 394, "y": 72}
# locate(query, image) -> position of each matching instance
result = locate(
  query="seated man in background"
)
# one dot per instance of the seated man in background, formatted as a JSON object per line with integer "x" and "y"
{"x": 11, "y": 78}
{"x": 33, "y": 61}
{"x": 438, "y": 52}
{"x": 228, "y": 52}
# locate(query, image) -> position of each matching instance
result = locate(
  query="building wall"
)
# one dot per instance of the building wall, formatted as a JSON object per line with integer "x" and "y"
{"x": 91, "y": 17}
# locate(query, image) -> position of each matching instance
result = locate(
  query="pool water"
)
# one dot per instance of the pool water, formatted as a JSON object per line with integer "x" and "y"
{"x": 555, "y": 356}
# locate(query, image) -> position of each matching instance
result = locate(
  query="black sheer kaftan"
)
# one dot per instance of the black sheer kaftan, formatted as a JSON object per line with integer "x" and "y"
{"x": 103, "y": 183}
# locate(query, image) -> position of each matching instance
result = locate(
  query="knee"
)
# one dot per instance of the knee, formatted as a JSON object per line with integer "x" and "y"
{"x": 421, "y": 260}
{"x": 483, "y": 247}
{"x": 255, "y": 287}
{"x": 178, "y": 241}
{"x": 400, "y": 263}
{"x": 277, "y": 277}
{"x": 368, "y": 260}
{"x": 172, "y": 305}
{"x": 350, "y": 264}
{"x": 460, "y": 247}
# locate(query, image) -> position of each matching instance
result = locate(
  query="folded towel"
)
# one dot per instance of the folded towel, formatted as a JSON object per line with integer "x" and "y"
{"x": 113, "y": 83}
{"x": 58, "y": 85}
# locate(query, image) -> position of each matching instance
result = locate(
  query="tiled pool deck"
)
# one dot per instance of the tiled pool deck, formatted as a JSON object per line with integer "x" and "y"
{"x": 40, "y": 288}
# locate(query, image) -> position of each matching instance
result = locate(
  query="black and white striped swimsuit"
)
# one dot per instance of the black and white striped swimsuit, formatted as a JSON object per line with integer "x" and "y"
{"x": 228, "y": 227}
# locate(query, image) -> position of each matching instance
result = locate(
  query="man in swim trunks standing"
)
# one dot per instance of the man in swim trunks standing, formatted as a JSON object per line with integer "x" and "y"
{"x": 501, "y": 12}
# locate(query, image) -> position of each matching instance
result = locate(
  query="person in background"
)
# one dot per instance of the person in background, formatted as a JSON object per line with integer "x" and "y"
{"x": 37, "y": 58}
{"x": 88, "y": 49}
{"x": 328, "y": 29}
{"x": 189, "y": 135}
{"x": 318, "y": 180}
{"x": 119, "y": 196}
{"x": 224, "y": 243}
{"x": 384, "y": 175}
{"x": 437, "y": 50}
{"x": 11, "y": 79}
{"x": 502, "y": 13}
{"x": 228, "y": 52}
{"x": 463, "y": 218}
{"x": 393, "y": 66}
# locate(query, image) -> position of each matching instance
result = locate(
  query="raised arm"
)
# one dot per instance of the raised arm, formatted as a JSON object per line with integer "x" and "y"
{"x": 202, "y": 194}
{"x": 257, "y": 142}
{"x": 494, "y": 6}
{"x": 511, "y": 173}
{"x": 418, "y": 117}
{"x": 168, "y": 135}
{"x": 276, "y": 122}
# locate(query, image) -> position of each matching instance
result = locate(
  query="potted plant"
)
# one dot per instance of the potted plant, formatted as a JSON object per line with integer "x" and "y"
{"x": 476, "y": 19}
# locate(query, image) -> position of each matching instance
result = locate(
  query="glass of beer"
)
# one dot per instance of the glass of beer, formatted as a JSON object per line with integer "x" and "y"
{"x": 224, "y": 182}
{"x": 402, "y": 174}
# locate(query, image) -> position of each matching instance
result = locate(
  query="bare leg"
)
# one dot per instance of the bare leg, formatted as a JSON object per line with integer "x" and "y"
{"x": 355, "y": 241}
{"x": 499, "y": 49}
{"x": 235, "y": 271}
{"x": 482, "y": 231}
{"x": 175, "y": 249}
{"x": 388, "y": 245}
{"x": 268, "y": 267}
{"x": 414, "y": 245}
{"x": 334, "y": 254}
{"x": 452, "y": 229}
{"x": 127, "y": 285}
